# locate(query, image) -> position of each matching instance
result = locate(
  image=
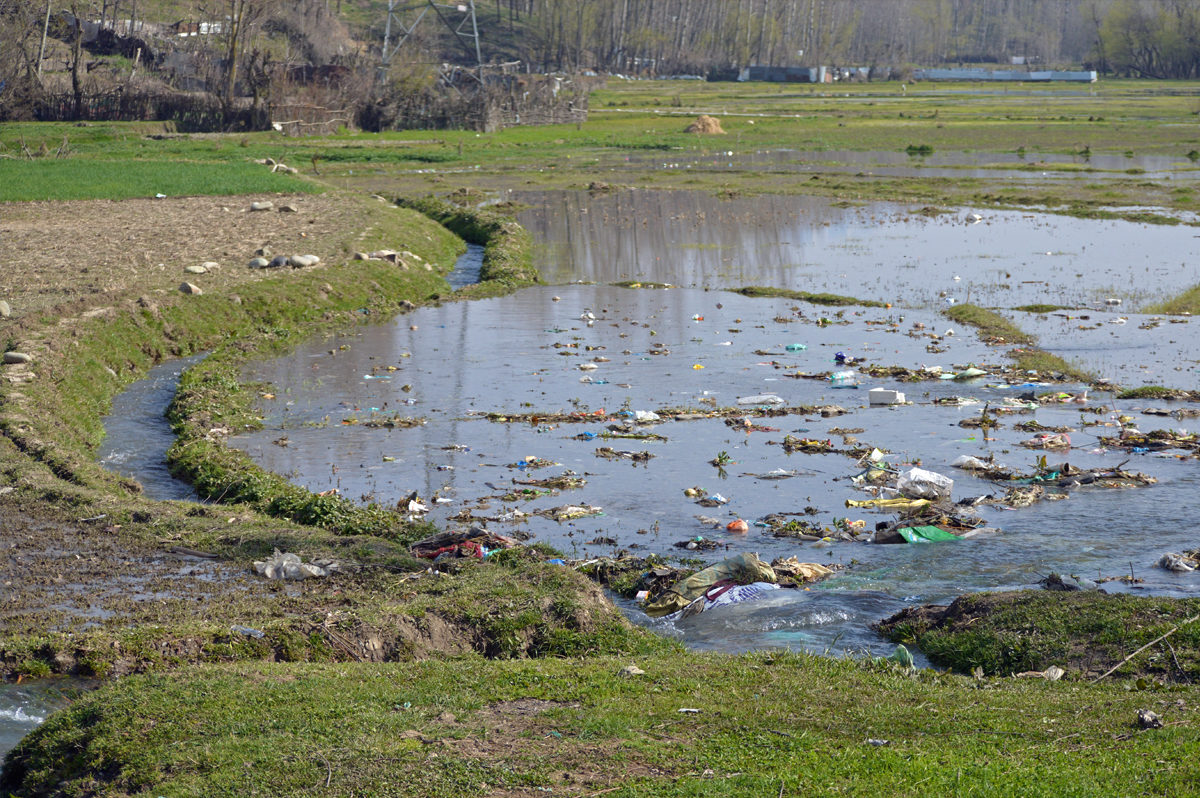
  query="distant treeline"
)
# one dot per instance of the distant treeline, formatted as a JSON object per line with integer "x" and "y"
{"x": 1148, "y": 38}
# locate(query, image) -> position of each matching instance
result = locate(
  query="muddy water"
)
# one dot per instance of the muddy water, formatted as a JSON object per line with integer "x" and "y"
{"x": 879, "y": 251}
{"x": 523, "y": 353}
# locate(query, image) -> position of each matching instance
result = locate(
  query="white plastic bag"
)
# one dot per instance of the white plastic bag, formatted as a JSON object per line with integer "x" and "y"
{"x": 761, "y": 399}
{"x": 917, "y": 483}
{"x": 969, "y": 463}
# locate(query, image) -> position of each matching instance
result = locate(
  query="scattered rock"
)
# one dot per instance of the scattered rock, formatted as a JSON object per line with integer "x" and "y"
{"x": 263, "y": 205}
{"x": 12, "y": 358}
{"x": 361, "y": 256}
{"x": 5, "y": 310}
{"x": 259, "y": 263}
{"x": 288, "y": 209}
{"x": 303, "y": 261}
{"x": 191, "y": 288}
{"x": 278, "y": 261}
{"x": 1067, "y": 583}
{"x": 196, "y": 269}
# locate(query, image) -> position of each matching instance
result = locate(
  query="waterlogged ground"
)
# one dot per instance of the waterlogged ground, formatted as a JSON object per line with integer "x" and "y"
{"x": 877, "y": 251}
{"x": 1032, "y": 165}
{"x": 1126, "y": 348}
{"x": 523, "y": 354}
{"x": 404, "y": 407}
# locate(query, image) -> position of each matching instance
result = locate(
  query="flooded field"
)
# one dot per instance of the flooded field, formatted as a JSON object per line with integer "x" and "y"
{"x": 534, "y": 414}
{"x": 1032, "y": 165}
{"x": 878, "y": 251}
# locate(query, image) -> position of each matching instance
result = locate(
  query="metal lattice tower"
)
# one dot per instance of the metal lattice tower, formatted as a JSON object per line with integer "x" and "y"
{"x": 458, "y": 18}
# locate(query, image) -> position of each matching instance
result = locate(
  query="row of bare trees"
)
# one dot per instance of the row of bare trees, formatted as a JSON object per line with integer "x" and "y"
{"x": 1157, "y": 38}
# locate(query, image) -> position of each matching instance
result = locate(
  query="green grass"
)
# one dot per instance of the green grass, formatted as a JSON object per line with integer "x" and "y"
{"x": 1044, "y": 362}
{"x": 1150, "y": 392}
{"x": 1041, "y": 308}
{"x": 630, "y": 118}
{"x": 1187, "y": 302}
{"x": 834, "y": 300}
{"x": 767, "y": 724}
{"x": 989, "y": 323}
{"x": 1084, "y": 632}
{"x": 45, "y": 179}
{"x": 992, "y": 325}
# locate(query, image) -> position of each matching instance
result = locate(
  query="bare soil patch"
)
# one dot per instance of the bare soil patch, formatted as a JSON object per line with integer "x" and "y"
{"x": 92, "y": 252}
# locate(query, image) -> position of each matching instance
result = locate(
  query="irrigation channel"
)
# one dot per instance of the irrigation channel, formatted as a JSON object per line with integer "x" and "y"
{"x": 462, "y": 401}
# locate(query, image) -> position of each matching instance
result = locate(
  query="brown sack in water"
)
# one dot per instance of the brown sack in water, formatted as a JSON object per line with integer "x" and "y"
{"x": 742, "y": 570}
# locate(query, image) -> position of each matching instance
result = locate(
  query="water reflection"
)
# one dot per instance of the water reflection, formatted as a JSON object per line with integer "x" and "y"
{"x": 878, "y": 251}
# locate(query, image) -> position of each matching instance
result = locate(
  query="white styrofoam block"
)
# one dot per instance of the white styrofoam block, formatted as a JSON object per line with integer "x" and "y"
{"x": 882, "y": 396}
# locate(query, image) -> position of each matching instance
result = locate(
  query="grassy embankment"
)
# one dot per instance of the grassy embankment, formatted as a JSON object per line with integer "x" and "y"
{"x": 1085, "y": 632}
{"x": 693, "y": 724}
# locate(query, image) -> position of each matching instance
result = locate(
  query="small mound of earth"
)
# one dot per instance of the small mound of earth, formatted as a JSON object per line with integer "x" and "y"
{"x": 705, "y": 124}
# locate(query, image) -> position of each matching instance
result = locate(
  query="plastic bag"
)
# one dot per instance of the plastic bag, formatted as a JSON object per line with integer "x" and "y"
{"x": 969, "y": 463}
{"x": 761, "y": 399}
{"x": 917, "y": 483}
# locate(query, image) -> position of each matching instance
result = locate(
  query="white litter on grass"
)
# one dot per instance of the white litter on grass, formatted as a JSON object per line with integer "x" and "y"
{"x": 290, "y": 567}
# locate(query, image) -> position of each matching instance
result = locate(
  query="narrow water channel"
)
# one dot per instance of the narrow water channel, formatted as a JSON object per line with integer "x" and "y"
{"x": 137, "y": 435}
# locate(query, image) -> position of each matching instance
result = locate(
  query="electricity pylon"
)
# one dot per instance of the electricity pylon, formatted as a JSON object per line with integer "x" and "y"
{"x": 458, "y": 18}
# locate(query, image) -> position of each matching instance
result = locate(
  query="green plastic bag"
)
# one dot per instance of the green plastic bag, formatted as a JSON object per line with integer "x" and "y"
{"x": 925, "y": 534}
